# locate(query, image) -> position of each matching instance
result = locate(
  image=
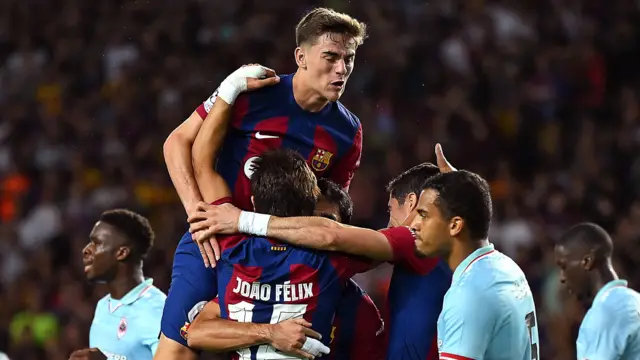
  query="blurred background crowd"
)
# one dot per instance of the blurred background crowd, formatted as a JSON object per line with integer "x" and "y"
{"x": 539, "y": 96}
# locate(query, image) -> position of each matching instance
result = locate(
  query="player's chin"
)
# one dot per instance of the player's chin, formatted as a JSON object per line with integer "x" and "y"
{"x": 421, "y": 251}
{"x": 333, "y": 95}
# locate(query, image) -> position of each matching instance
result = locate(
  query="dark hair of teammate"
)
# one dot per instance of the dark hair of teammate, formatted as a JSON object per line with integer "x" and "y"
{"x": 335, "y": 197}
{"x": 453, "y": 205}
{"x": 320, "y": 21}
{"x": 411, "y": 181}
{"x": 118, "y": 243}
{"x": 583, "y": 255}
{"x": 404, "y": 192}
{"x": 284, "y": 185}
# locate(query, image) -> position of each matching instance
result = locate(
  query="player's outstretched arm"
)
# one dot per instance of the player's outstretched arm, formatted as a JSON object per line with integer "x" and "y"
{"x": 211, "y": 333}
{"x": 312, "y": 232}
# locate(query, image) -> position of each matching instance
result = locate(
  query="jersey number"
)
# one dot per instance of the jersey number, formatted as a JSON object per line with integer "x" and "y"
{"x": 243, "y": 312}
{"x": 530, "y": 319}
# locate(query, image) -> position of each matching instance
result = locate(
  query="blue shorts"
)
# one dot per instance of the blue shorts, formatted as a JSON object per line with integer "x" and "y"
{"x": 192, "y": 286}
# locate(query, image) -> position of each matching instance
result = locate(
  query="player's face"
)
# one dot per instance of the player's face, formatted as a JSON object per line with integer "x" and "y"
{"x": 572, "y": 273}
{"x": 399, "y": 213}
{"x": 100, "y": 256}
{"x": 328, "y": 209}
{"x": 433, "y": 237}
{"x": 329, "y": 64}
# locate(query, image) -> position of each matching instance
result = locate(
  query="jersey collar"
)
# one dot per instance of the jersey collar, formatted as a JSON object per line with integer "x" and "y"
{"x": 464, "y": 265}
{"x": 133, "y": 295}
{"x": 608, "y": 286}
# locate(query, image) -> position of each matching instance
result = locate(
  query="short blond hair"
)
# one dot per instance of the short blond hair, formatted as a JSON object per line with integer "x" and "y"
{"x": 320, "y": 21}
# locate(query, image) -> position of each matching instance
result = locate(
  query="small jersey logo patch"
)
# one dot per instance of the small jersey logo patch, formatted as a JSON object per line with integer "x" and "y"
{"x": 278, "y": 248}
{"x": 122, "y": 328}
{"x": 321, "y": 160}
{"x": 208, "y": 104}
{"x": 184, "y": 330}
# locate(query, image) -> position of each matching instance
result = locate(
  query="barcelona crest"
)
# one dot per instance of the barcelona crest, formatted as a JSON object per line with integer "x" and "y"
{"x": 184, "y": 330}
{"x": 321, "y": 160}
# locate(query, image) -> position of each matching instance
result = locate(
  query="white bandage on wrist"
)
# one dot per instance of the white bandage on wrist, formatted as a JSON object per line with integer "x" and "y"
{"x": 236, "y": 83}
{"x": 314, "y": 347}
{"x": 253, "y": 223}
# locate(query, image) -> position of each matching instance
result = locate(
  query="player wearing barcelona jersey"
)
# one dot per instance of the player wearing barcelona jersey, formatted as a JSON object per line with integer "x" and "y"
{"x": 300, "y": 112}
{"x": 263, "y": 281}
{"x": 489, "y": 312}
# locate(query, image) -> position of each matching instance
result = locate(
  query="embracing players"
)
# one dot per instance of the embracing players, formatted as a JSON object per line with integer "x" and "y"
{"x": 418, "y": 284}
{"x": 299, "y": 112}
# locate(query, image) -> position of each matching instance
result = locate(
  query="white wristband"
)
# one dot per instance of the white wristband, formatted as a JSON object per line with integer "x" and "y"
{"x": 236, "y": 83}
{"x": 253, "y": 223}
{"x": 230, "y": 90}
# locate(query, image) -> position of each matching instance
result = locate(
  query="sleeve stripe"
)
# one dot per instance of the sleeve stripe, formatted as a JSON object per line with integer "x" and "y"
{"x": 447, "y": 356}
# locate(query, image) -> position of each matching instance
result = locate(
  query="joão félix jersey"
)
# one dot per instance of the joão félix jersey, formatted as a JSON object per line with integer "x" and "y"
{"x": 128, "y": 328}
{"x": 488, "y": 312}
{"x": 611, "y": 328}
{"x": 414, "y": 301}
{"x": 270, "y": 118}
{"x": 263, "y": 281}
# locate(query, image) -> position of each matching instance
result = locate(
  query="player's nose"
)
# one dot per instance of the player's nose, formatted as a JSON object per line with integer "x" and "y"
{"x": 86, "y": 251}
{"x": 341, "y": 67}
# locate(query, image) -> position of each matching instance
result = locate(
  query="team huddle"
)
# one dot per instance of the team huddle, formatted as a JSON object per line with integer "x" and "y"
{"x": 265, "y": 269}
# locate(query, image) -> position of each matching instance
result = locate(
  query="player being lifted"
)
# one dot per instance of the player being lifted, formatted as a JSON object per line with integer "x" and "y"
{"x": 125, "y": 325}
{"x": 300, "y": 112}
{"x": 611, "y": 328}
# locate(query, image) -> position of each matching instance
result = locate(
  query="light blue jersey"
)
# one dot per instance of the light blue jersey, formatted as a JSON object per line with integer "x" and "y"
{"x": 128, "y": 329}
{"x": 488, "y": 312}
{"x": 611, "y": 328}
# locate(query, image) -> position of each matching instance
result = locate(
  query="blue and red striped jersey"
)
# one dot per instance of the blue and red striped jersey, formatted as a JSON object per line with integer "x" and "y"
{"x": 270, "y": 118}
{"x": 414, "y": 302}
{"x": 263, "y": 281}
{"x": 358, "y": 329}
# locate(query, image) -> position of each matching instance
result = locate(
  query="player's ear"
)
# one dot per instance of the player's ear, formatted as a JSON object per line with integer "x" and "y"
{"x": 412, "y": 200}
{"x": 300, "y": 56}
{"x": 123, "y": 253}
{"x": 456, "y": 224}
{"x": 253, "y": 203}
{"x": 588, "y": 262}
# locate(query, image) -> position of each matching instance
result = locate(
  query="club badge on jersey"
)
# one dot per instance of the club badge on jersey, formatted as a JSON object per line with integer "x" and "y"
{"x": 321, "y": 160}
{"x": 122, "y": 328}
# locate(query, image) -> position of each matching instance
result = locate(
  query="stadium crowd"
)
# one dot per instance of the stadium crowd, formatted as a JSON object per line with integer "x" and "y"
{"x": 540, "y": 97}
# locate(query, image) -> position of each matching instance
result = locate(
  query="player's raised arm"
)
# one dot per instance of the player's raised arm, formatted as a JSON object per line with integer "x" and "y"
{"x": 211, "y": 333}
{"x": 177, "y": 157}
{"x": 205, "y": 152}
